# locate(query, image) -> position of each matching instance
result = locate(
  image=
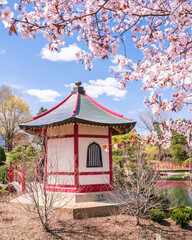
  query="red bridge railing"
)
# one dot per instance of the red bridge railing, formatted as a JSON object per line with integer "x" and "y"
{"x": 17, "y": 174}
{"x": 173, "y": 167}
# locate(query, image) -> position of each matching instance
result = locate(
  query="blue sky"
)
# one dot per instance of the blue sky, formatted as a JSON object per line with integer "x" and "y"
{"x": 45, "y": 79}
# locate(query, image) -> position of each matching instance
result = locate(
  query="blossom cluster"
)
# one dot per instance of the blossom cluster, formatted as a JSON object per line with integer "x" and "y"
{"x": 131, "y": 141}
{"x": 160, "y": 29}
{"x": 169, "y": 128}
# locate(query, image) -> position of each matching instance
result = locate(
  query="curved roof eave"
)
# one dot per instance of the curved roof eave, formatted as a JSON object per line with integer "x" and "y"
{"x": 77, "y": 120}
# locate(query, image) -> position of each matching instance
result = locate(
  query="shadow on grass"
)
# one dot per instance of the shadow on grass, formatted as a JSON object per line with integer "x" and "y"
{"x": 72, "y": 231}
{"x": 189, "y": 228}
{"x": 165, "y": 223}
{"x": 164, "y": 229}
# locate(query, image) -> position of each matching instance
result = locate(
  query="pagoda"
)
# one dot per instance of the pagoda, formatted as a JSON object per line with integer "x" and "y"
{"x": 74, "y": 132}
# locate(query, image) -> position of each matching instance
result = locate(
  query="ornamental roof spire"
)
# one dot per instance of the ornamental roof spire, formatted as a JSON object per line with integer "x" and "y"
{"x": 79, "y": 88}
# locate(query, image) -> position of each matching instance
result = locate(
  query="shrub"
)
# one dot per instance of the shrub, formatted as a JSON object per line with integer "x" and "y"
{"x": 2, "y": 156}
{"x": 16, "y": 154}
{"x": 156, "y": 215}
{"x": 4, "y": 172}
{"x": 187, "y": 210}
{"x": 187, "y": 161}
{"x": 2, "y": 191}
{"x": 181, "y": 215}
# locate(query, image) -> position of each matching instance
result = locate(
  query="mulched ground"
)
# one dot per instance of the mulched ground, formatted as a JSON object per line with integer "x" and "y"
{"x": 18, "y": 224}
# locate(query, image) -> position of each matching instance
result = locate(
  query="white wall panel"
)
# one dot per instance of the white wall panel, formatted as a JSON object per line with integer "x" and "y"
{"x": 60, "y": 155}
{"x": 93, "y": 179}
{"x": 61, "y": 179}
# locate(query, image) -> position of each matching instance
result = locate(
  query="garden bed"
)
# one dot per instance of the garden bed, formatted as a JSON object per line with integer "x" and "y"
{"x": 17, "y": 224}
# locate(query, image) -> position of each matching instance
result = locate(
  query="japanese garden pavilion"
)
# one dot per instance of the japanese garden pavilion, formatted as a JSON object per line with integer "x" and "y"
{"x": 74, "y": 132}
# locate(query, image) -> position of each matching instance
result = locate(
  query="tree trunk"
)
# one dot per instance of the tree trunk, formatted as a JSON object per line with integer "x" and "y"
{"x": 137, "y": 222}
{"x": 137, "y": 214}
{"x": 9, "y": 140}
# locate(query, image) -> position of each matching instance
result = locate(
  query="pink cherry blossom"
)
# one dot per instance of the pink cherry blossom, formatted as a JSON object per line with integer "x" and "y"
{"x": 6, "y": 16}
{"x": 160, "y": 30}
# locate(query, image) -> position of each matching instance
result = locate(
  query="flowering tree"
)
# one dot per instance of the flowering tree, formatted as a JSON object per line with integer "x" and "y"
{"x": 161, "y": 30}
{"x": 13, "y": 111}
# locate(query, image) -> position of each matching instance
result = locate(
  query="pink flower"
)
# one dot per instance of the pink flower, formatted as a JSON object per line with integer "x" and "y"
{"x": 6, "y": 16}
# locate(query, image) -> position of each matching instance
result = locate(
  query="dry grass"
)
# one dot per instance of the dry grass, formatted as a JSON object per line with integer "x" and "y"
{"x": 17, "y": 224}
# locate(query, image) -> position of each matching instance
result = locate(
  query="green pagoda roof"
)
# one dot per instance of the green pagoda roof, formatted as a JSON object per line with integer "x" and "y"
{"x": 78, "y": 107}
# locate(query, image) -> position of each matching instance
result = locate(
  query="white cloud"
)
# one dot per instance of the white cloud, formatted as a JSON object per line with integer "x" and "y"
{"x": 131, "y": 112}
{"x": 109, "y": 86}
{"x": 116, "y": 68}
{"x": 66, "y": 54}
{"x": 44, "y": 95}
{"x": 115, "y": 60}
{"x": 2, "y": 51}
{"x": 14, "y": 86}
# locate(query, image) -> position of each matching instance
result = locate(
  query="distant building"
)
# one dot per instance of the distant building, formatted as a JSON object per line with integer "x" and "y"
{"x": 21, "y": 138}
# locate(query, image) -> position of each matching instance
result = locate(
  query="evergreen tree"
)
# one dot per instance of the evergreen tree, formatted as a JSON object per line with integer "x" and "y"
{"x": 2, "y": 156}
{"x": 178, "y": 148}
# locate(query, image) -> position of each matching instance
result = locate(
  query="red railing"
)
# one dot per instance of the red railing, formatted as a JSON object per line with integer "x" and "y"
{"x": 17, "y": 174}
{"x": 173, "y": 167}
{"x": 174, "y": 184}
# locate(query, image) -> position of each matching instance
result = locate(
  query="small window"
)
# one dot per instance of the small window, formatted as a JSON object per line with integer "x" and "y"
{"x": 94, "y": 157}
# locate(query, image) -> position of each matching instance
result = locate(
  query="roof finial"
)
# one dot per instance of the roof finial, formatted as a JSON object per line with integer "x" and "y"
{"x": 78, "y": 83}
{"x": 78, "y": 88}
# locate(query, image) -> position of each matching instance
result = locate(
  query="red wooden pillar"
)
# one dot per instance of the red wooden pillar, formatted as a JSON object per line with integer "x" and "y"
{"x": 23, "y": 179}
{"x": 10, "y": 176}
{"x": 76, "y": 156}
{"x": 15, "y": 174}
{"x": 110, "y": 157}
{"x": 45, "y": 155}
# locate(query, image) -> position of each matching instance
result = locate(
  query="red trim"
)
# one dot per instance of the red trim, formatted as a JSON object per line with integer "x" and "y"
{"x": 129, "y": 119}
{"x": 80, "y": 173}
{"x": 110, "y": 157}
{"x": 76, "y": 104}
{"x": 60, "y": 185}
{"x": 45, "y": 156}
{"x": 58, "y": 189}
{"x": 95, "y": 188}
{"x": 60, "y": 173}
{"x": 106, "y": 109}
{"x": 64, "y": 136}
{"x": 94, "y": 173}
{"x": 79, "y": 135}
{"x": 76, "y": 156}
{"x": 91, "y": 135}
{"x": 82, "y": 189}
{"x": 50, "y": 110}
